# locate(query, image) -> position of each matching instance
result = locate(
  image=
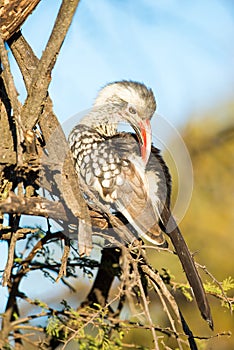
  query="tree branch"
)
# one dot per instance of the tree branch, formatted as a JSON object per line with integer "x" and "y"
{"x": 8, "y": 79}
{"x": 56, "y": 145}
{"x": 36, "y": 206}
{"x": 39, "y": 206}
{"x": 42, "y": 75}
{"x": 63, "y": 267}
{"x": 10, "y": 260}
{"x": 13, "y": 13}
{"x": 13, "y": 96}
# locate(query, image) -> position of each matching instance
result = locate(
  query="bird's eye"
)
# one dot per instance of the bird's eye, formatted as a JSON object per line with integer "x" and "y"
{"x": 132, "y": 110}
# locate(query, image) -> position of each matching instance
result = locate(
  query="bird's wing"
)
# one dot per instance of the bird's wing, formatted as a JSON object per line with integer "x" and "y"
{"x": 135, "y": 204}
{"x": 117, "y": 174}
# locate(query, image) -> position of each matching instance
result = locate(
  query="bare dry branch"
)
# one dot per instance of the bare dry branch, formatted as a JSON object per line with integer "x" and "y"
{"x": 13, "y": 13}
{"x": 39, "y": 206}
{"x": 42, "y": 76}
{"x": 8, "y": 79}
{"x": 10, "y": 260}
{"x": 33, "y": 206}
{"x": 24, "y": 56}
{"x": 56, "y": 145}
{"x": 63, "y": 267}
{"x": 13, "y": 96}
{"x": 146, "y": 307}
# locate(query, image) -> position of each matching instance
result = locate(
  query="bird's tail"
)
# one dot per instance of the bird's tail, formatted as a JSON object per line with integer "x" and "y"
{"x": 188, "y": 264}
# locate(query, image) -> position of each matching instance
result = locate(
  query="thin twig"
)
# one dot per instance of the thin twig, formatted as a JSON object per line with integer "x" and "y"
{"x": 146, "y": 306}
{"x": 6, "y": 233}
{"x": 63, "y": 267}
{"x": 171, "y": 320}
{"x": 10, "y": 260}
{"x": 38, "y": 246}
{"x": 155, "y": 277}
{"x": 89, "y": 321}
{"x": 218, "y": 284}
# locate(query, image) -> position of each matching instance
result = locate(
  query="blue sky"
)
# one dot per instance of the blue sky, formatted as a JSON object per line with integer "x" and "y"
{"x": 182, "y": 49}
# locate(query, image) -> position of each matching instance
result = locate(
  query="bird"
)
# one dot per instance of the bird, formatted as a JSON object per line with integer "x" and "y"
{"x": 128, "y": 173}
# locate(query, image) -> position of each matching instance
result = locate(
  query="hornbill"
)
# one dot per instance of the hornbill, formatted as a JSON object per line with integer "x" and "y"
{"x": 128, "y": 173}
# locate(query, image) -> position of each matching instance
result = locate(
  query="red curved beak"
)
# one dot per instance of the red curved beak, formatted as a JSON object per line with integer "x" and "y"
{"x": 145, "y": 139}
{"x": 143, "y": 131}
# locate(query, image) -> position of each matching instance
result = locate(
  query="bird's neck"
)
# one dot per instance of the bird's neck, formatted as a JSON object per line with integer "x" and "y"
{"x": 106, "y": 129}
{"x": 104, "y": 123}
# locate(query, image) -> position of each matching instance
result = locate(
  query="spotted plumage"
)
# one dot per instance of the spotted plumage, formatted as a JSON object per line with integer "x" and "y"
{"x": 96, "y": 161}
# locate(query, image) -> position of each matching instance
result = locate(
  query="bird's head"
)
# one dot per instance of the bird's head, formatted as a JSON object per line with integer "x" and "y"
{"x": 127, "y": 101}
